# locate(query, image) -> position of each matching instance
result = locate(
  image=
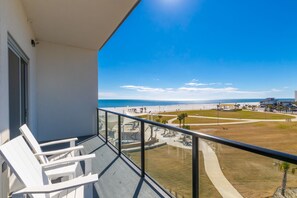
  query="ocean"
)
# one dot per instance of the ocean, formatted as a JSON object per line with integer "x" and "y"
{"x": 106, "y": 103}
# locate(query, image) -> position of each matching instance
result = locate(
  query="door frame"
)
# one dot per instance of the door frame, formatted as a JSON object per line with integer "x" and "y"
{"x": 23, "y": 78}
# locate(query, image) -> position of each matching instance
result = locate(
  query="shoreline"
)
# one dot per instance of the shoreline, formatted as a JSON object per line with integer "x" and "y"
{"x": 170, "y": 108}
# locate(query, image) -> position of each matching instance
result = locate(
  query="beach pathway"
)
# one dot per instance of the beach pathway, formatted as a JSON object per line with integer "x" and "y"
{"x": 215, "y": 174}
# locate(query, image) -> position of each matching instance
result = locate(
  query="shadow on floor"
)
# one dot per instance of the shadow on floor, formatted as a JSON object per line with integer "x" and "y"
{"x": 118, "y": 178}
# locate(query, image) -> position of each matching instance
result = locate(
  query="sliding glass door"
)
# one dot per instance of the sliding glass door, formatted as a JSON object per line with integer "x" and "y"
{"x": 18, "y": 89}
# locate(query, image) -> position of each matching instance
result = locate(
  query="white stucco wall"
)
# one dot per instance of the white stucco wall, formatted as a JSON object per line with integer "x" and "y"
{"x": 13, "y": 20}
{"x": 66, "y": 91}
{"x": 62, "y": 84}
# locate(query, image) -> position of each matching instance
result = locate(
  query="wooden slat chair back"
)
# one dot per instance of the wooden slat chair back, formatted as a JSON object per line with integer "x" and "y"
{"x": 24, "y": 164}
{"x": 33, "y": 143}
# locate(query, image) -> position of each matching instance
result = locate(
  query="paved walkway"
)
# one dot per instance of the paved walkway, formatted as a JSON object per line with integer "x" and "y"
{"x": 215, "y": 174}
{"x": 211, "y": 164}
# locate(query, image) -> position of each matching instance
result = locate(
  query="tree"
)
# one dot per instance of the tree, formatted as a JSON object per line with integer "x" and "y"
{"x": 285, "y": 167}
{"x": 180, "y": 118}
{"x": 160, "y": 117}
{"x": 269, "y": 107}
{"x": 184, "y": 115}
{"x": 279, "y": 107}
{"x": 164, "y": 121}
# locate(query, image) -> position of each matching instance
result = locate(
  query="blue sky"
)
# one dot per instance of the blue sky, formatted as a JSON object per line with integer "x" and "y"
{"x": 202, "y": 49}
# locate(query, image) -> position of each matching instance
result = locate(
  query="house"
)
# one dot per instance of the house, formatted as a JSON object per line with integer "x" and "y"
{"x": 48, "y": 66}
{"x": 268, "y": 101}
{"x": 285, "y": 103}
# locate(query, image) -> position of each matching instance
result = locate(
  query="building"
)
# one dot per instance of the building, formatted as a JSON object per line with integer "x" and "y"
{"x": 285, "y": 103}
{"x": 48, "y": 79}
{"x": 48, "y": 66}
{"x": 268, "y": 101}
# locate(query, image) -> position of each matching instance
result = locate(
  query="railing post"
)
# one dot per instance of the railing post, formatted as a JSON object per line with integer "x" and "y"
{"x": 195, "y": 166}
{"x": 97, "y": 121}
{"x": 120, "y": 134}
{"x": 142, "y": 149}
{"x": 106, "y": 127}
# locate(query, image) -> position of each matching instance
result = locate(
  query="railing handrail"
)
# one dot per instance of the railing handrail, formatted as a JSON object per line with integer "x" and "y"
{"x": 235, "y": 144}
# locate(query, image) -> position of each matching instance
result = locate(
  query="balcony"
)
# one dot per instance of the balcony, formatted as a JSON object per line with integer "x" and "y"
{"x": 142, "y": 158}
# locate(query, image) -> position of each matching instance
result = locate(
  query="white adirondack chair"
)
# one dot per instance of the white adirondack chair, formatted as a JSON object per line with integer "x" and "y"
{"x": 59, "y": 154}
{"x": 54, "y": 155}
{"x": 31, "y": 173}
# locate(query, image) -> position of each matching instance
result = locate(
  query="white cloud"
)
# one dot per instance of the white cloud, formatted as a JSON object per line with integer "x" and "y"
{"x": 143, "y": 88}
{"x": 195, "y": 90}
{"x": 195, "y": 84}
{"x": 209, "y": 89}
{"x": 276, "y": 90}
{"x": 106, "y": 94}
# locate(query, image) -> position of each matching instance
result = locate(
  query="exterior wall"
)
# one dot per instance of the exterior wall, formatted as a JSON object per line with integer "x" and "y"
{"x": 13, "y": 20}
{"x": 62, "y": 88}
{"x": 66, "y": 91}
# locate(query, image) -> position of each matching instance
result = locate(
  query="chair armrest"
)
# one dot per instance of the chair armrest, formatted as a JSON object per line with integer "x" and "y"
{"x": 60, "y": 151}
{"x": 68, "y": 160}
{"x": 58, "y": 142}
{"x": 58, "y": 186}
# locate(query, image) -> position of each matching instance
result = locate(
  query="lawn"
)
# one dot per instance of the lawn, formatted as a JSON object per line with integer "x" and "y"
{"x": 195, "y": 120}
{"x": 231, "y": 114}
{"x": 254, "y": 175}
{"x": 280, "y": 136}
{"x": 172, "y": 168}
{"x": 154, "y": 117}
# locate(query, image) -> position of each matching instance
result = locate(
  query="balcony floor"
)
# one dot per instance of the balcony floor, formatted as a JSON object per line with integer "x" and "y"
{"x": 118, "y": 178}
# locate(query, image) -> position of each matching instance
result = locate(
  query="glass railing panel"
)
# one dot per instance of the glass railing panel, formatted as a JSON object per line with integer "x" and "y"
{"x": 101, "y": 123}
{"x": 229, "y": 172}
{"x": 168, "y": 159}
{"x": 112, "y": 129}
{"x": 131, "y": 139}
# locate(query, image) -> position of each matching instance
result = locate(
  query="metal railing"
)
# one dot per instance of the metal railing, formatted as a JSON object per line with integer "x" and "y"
{"x": 195, "y": 145}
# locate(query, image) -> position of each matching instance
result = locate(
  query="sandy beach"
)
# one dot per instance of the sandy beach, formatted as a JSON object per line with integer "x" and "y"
{"x": 169, "y": 108}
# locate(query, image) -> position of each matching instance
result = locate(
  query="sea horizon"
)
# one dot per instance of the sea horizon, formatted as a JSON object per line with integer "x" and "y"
{"x": 107, "y": 103}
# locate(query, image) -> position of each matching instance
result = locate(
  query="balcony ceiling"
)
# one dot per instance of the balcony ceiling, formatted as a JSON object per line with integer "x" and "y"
{"x": 80, "y": 23}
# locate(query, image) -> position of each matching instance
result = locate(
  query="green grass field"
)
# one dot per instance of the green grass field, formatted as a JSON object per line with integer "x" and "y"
{"x": 172, "y": 168}
{"x": 154, "y": 117}
{"x": 252, "y": 175}
{"x": 193, "y": 120}
{"x": 236, "y": 114}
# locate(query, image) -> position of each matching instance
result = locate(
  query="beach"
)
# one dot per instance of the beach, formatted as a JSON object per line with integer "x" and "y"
{"x": 129, "y": 110}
